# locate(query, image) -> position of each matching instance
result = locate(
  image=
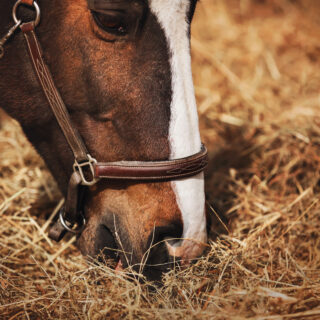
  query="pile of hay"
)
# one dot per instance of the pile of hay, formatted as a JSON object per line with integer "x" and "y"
{"x": 257, "y": 75}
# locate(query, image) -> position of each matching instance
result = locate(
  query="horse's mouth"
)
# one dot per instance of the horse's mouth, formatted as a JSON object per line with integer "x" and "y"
{"x": 118, "y": 254}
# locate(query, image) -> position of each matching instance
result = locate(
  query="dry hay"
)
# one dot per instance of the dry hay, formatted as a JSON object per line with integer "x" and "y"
{"x": 256, "y": 68}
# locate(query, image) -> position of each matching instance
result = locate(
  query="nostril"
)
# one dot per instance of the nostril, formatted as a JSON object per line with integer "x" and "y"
{"x": 172, "y": 232}
{"x": 105, "y": 243}
{"x": 158, "y": 253}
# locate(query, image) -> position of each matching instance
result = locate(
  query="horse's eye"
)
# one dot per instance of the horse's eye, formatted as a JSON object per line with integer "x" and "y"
{"x": 111, "y": 23}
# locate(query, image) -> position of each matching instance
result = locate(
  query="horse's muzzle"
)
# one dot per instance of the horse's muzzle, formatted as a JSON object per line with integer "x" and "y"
{"x": 152, "y": 261}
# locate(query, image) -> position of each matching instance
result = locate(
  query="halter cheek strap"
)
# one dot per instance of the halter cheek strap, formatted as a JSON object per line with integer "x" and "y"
{"x": 86, "y": 170}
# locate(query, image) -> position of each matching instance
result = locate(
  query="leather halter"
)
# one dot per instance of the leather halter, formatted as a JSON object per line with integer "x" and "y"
{"x": 86, "y": 170}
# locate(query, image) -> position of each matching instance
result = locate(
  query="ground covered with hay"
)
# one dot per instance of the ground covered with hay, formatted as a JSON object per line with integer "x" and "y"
{"x": 257, "y": 77}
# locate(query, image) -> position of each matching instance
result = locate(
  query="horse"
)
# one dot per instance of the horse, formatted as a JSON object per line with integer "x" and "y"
{"x": 121, "y": 74}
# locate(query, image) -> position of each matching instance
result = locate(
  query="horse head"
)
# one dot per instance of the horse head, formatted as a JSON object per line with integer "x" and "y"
{"x": 123, "y": 69}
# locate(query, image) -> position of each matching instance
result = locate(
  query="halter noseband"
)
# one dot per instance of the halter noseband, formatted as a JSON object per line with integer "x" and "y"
{"x": 87, "y": 171}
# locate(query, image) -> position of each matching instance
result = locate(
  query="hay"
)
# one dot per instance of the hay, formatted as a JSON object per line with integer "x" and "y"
{"x": 256, "y": 68}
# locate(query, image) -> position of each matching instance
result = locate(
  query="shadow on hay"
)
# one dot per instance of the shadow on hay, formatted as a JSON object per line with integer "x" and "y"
{"x": 233, "y": 153}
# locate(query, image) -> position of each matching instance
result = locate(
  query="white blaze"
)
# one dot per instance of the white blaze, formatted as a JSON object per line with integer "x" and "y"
{"x": 184, "y": 135}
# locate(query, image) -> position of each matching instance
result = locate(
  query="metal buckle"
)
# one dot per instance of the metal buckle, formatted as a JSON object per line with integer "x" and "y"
{"x": 79, "y": 167}
{"x": 35, "y": 5}
{"x": 69, "y": 226}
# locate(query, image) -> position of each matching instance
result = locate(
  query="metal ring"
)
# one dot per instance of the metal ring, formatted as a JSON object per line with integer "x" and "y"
{"x": 35, "y": 5}
{"x": 70, "y": 228}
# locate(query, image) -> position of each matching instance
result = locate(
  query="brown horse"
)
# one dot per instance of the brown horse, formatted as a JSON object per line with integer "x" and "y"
{"x": 123, "y": 69}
